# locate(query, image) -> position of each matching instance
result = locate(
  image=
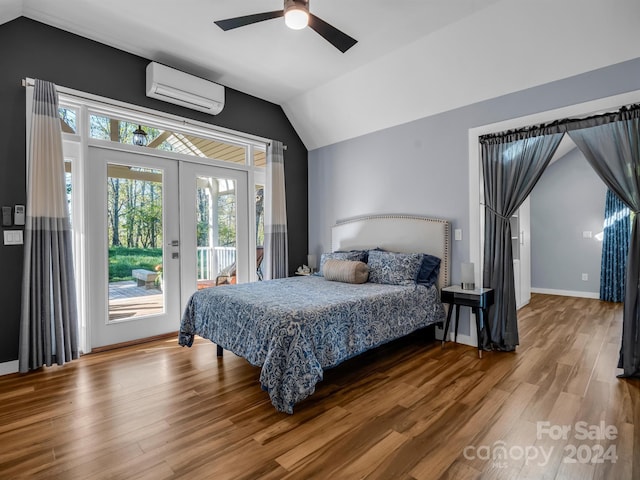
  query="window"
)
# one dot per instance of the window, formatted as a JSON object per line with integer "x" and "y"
{"x": 116, "y": 130}
{"x": 259, "y": 157}
{"x": 259, "y": 214}
{"x": 68, "y": 119}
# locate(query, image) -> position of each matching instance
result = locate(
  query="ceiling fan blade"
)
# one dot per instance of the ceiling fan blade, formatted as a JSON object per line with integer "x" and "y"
{"x": 331, "y": 34}
{"x": 231, "y": 23}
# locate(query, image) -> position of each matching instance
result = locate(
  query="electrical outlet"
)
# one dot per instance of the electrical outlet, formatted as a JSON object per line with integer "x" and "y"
{"x": 457, "y": 234}
{"x": 585, "y": 277}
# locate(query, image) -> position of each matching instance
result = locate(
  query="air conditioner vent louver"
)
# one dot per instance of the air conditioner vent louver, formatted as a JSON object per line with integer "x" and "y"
{"x": 173, "y": 86}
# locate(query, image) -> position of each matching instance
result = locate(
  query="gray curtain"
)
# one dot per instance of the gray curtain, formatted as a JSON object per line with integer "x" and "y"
{"x": 49, "y": 324}
{"x": 512, "y": 164}
{"x": 612, "y": 148}
{"x": 275, "y": 264}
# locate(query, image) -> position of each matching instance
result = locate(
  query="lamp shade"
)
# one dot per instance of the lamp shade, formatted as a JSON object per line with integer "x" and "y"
{"x": 468, "y": 276}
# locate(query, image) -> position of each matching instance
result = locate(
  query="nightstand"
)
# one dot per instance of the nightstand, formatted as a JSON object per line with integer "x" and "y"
{"x": 479, "y": 299}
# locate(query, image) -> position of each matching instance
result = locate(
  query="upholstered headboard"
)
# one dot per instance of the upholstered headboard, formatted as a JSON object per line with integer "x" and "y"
{"x": 398, "y": 233}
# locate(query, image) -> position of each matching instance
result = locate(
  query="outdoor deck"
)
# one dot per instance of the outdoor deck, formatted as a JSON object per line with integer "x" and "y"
{"x": 127, "y": 299}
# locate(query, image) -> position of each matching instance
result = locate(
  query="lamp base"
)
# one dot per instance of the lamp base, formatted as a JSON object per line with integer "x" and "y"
{"x": 468, "y": 286}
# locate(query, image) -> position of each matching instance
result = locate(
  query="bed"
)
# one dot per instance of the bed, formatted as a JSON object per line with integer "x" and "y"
{"x": 295, "y": 328}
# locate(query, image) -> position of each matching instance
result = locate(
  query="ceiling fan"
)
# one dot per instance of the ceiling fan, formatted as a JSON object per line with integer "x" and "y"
{"x": 296, "y": 16}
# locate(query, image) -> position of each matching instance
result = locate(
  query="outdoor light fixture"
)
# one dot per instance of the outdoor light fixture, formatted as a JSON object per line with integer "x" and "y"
{"x": 139, "y": 137}
{"x": 296, "y": 14}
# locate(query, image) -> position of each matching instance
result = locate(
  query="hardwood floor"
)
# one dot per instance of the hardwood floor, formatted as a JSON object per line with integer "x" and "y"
{"x": 404, "y": 411}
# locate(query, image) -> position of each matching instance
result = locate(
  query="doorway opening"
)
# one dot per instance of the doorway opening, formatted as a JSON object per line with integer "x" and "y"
{"x": 476, "y": 217}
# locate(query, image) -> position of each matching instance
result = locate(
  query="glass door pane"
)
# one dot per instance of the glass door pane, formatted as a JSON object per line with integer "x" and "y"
{"x": 135, "y": 241}
{"x": 259, "y": 203}
{"x": 216, "y": 207}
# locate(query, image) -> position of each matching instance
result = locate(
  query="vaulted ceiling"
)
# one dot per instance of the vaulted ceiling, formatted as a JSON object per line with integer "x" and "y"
{"x": 414, "y": 58}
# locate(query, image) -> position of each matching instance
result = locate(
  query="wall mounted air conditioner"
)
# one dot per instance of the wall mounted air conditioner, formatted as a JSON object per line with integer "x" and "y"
{"x": 173, "y": 86}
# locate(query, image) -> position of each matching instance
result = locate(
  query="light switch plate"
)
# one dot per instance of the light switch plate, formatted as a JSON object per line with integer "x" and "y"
{"x": 13, "y": 237}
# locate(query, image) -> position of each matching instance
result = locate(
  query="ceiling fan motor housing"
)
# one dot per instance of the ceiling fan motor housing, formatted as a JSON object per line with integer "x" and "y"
{"x": 296, "y": 4}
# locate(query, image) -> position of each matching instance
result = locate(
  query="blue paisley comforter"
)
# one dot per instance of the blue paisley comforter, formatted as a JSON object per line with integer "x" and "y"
{"x": 295, "y": 327}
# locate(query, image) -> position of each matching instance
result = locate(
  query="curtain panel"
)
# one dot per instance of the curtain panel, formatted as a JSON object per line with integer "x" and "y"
{"x": 276, "y": 264}
{"x": 49, "y": 321}
{"x": 615, "y": 249}
{"x": 511, "y": 165}
{"x": 613, "y": 150}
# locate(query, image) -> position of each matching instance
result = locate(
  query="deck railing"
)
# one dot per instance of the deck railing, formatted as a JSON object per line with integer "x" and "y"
{"x": 212, "y": 260}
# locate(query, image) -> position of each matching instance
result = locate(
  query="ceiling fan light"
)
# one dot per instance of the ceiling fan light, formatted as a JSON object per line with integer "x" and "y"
{"x": 296, "y": 15}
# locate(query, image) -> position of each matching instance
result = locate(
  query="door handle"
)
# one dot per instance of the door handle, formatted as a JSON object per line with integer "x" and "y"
{"x": 174, "y": 243}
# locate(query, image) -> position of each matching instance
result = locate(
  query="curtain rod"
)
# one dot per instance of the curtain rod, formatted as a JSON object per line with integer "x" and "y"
{"x": 563, "y": 125}
{"x": 147, "y": 111}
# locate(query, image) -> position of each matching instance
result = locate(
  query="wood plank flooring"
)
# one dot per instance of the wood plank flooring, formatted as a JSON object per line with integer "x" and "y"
{"x": 407, "y": 410}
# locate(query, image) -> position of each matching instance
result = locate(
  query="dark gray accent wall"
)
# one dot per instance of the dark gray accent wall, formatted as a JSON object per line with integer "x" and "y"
{"x": 567, "y": 201}
{"x": 422, "y": 167}
{"x": 32, "y": 49}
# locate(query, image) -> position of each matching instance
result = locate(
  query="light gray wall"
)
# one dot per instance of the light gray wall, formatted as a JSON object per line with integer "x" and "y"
{"x": 567, "y": 201}
{"x": 422, "y": 167}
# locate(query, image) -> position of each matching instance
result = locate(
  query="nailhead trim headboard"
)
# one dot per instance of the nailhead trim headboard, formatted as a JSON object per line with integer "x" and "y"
{"x": 398, "y": 233}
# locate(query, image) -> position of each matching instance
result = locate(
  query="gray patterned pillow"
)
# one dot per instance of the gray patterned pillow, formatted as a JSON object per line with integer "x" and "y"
{"x": 355, "y": 255}
{"x": 394, "y": 268}
{"x": 348, "y": 271}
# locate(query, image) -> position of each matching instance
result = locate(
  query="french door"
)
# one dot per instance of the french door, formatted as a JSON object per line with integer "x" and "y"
{"x": 157, "y": 229}
{"x": 214, "y": 227}
{"x": 133, "y": 246}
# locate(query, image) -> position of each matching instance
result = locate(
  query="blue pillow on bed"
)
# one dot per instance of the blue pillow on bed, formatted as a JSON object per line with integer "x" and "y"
{"x": 429, "y": 270}
{"x": 354, "y": 255}
{"x": 394, "y": 268}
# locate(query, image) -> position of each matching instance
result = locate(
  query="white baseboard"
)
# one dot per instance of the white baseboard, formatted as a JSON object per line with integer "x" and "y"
{"x": 9, "y": 367}
{"x": 566, "y": 293}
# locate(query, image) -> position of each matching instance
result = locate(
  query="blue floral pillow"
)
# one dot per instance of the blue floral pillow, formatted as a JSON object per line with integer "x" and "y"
{"x": 394, "y": 268}
{"x": 354, "y": 255}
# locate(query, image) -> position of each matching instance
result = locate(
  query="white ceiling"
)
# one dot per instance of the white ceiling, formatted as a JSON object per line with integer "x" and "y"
{"x": 413, "y": 58}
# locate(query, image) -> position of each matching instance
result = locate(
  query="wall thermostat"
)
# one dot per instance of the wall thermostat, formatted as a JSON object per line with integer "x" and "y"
{"x": 18, "y": 216}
